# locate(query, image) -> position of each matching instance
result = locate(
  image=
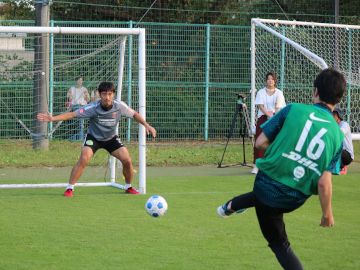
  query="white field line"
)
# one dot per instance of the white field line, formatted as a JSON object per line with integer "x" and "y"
{"x": 123, "y": 193}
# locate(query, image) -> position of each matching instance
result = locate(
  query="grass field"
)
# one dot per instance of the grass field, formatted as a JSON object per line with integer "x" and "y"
{"x": 102, "y": 228}
{"x": 64, "y": 153}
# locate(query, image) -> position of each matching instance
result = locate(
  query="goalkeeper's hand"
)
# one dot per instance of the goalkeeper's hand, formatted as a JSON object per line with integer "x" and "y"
{"x": 44, "y": 117}
{"x": 150, "y": 129}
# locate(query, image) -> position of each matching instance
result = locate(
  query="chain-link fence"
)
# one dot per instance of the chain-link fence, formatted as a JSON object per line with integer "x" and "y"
{"x": 194, "y": 73}
{"x": 198, "y": 54}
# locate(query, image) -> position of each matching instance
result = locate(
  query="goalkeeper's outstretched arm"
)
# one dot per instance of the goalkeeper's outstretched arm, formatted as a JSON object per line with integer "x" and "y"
{"x": 148, "y": 128}
{"x": 61, "y": 117}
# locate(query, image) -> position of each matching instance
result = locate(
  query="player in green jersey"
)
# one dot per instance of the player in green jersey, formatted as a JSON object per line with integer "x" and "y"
{"x": 303, "y": 147}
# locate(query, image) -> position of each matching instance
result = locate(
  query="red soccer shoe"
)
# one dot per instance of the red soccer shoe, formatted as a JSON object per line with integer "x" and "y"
{"x": 68, "y": 193}
{"x": 130, "y": 190}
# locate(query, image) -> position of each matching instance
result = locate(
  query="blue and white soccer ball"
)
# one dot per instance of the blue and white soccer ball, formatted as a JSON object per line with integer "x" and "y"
{"x": 156, "y": 206}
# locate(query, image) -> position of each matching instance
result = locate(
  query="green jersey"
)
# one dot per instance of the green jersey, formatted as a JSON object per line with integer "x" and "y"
{"x": 303, "y": 147}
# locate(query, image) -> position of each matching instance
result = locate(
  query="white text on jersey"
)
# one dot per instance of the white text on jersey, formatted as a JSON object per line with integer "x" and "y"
{"x": 303, "y": 161}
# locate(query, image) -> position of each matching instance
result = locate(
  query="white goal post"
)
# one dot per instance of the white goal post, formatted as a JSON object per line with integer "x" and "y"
{"x": 296, "y": 52}
{"x": 140, "y": 32}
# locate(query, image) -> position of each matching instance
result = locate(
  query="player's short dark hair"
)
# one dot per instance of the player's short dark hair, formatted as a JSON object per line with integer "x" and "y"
{"x": 78, "y": 78}
{"x": 106, "y": 86}
{"x": 331, "y": 85}
{"x": 272, "y": 74}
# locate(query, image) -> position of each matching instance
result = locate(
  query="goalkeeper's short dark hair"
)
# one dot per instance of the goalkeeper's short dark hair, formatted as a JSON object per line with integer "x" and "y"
{"x": 331, "y": 85}
{"x": 106, "y": 86}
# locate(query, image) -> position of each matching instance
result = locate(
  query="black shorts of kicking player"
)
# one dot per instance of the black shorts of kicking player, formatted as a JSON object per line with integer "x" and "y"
{"x": 111, "y": 145}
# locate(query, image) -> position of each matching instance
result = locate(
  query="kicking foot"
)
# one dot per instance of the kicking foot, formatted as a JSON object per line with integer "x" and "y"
{"x": 223, "y": 212}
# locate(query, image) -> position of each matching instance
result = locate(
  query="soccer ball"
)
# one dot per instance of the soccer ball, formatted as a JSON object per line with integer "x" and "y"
{"x": 156, "y": 206}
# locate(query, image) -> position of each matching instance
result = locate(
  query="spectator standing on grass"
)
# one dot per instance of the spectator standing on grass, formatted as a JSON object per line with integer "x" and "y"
{"x": 303, "y": 145}
{"x": 270, "y": 101}
{"x": 347, "y": 155}
{"x": 78, "y": 96}
{"x": 104, "y": 116}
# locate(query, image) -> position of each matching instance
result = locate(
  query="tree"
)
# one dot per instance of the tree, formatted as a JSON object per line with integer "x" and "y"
{"x": 17, "y": 10}
{"x": 176, "y": 11}
{"x": 229, "y": 12}
{"x": 323, "y": 11}
{"x": 14, "y": 73}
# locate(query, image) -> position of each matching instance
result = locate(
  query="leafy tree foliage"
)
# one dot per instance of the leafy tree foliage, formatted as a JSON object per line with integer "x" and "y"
{"x": 175, "y": 11}
{"x": 17, "y": 10}
{"x": 229, "y": 12}
{"x": 14, "y": 73}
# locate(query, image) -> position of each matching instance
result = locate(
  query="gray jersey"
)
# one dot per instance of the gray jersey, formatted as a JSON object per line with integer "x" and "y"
{"x": 102, "y": 124}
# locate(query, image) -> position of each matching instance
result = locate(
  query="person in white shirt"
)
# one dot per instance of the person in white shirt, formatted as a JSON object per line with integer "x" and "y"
{"x": 270, "y": 101}
{"x": 78, "y": 96}
{"x": 347, "y": 155}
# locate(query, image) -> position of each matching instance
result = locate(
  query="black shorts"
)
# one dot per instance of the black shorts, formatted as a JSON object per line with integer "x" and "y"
{"x": 345, "y": 158}
{"x": 110, "y": 145}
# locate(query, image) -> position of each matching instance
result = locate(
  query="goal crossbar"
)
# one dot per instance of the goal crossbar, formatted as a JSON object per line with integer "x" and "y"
{"x": 71, "y": 30}
{"x": 312, "y": 24}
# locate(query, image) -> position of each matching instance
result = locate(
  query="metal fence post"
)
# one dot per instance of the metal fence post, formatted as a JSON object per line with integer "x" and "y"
{"x": 207, "y": 78}
{"x": 51, "y": 76}
{"x": 253, "y": 82}
{"x": 41, "y": 49}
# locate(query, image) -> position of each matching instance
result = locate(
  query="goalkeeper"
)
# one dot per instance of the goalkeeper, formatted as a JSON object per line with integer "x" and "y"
{"x": 104, "y": 116}
{"x": 303, "y": 145}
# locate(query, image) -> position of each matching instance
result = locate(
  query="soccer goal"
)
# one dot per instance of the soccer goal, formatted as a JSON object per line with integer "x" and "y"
{"x": 38, "y": 68}
{"x": 296, "y": 52}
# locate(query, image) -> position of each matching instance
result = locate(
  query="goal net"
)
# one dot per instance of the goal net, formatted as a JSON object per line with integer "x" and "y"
{"x": 39, "y": 69}
{"x": 297, "y": 51}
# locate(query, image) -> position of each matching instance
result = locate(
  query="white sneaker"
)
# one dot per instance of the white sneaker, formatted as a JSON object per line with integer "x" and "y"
{"x": 221, "y": 212}
{"x": 224, "y": 213}
{"x": 255, "y": 170}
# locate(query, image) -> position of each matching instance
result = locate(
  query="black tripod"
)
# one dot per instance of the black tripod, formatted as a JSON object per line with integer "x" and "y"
{"x": 240, "y": 107}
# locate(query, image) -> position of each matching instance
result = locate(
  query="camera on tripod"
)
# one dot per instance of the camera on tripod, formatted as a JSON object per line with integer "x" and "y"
{"x": 244, "y": 130}
{"x": 241, "y": 98}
